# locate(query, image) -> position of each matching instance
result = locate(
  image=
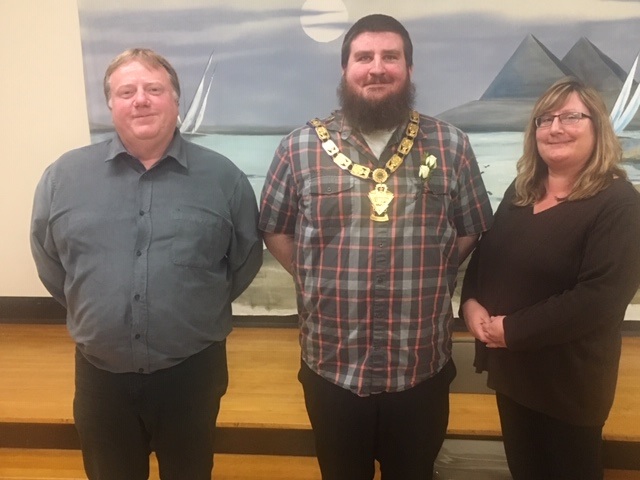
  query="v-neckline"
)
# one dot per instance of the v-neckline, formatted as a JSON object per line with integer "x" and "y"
{"x": 533, "y": 208}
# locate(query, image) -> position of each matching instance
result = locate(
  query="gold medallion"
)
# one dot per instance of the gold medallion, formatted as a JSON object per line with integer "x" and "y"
{"x": 379, "y": 175}
{"x": 380, "y": 198}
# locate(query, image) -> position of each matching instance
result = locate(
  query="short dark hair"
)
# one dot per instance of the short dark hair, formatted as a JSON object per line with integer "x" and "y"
{"x": 377, "y": 22}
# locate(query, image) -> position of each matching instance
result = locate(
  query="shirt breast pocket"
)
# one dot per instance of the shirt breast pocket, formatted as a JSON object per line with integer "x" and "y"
{"x": 434, "y": 195}
{"x": 200, "y": 238}
{"x": 330, "y": 201}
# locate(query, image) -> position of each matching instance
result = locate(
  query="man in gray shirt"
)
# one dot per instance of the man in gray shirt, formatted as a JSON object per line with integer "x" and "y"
{"x": 146, "y": 239}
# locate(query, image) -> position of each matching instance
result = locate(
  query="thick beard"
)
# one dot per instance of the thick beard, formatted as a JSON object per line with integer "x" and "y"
{"x": 385, "y": 114}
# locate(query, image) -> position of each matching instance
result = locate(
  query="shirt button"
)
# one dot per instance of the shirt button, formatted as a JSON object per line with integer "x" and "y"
{"x": 136, "y": 297}
{"x": 137, "y": 336}
{"x": 141, "y": 212}
{"x": 380, "y": 280}
{"x": 138, "y": 253}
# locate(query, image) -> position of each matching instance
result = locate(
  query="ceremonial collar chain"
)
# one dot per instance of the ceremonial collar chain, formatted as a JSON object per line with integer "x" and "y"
{"x": 380, "y": 197}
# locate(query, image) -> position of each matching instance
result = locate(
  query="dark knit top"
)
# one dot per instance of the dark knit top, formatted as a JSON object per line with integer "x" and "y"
{"x": 563, "y": 277}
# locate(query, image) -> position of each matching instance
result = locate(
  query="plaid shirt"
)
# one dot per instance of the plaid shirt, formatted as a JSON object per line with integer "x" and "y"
{"x": 374, "y": 298}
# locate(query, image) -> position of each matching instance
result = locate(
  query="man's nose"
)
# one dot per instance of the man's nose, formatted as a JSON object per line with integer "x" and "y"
{"x": 140, "y": 98}
{"x": 377, "y": 66}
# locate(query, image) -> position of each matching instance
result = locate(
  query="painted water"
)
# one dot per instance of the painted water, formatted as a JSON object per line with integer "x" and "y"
{"x": 497, "y": 154}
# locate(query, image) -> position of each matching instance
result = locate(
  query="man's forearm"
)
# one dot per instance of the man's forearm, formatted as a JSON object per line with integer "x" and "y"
{"x": 281, "y": 247}
{"x": 466, "y": 246}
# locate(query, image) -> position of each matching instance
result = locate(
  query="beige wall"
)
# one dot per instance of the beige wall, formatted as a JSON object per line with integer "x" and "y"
{"x": 43, "y": 114}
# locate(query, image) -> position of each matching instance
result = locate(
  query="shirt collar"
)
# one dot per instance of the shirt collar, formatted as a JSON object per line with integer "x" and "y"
{"x": 176, "y": 149}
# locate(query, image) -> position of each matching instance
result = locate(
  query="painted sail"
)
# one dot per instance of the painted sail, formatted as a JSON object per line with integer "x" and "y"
{"x": 195, "y": 113}
{"x": 203, "y": 107}
{"x": 624, "y": 110}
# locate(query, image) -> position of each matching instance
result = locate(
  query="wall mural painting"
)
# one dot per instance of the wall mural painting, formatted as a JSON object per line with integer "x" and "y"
{"x": 252, "y": 71}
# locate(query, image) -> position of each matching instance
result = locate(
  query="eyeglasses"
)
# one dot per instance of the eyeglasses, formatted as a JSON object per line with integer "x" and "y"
{"x": 567, "y": 118}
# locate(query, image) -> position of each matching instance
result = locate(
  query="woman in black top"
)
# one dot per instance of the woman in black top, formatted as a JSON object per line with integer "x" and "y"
{"x": 546, "y": 290}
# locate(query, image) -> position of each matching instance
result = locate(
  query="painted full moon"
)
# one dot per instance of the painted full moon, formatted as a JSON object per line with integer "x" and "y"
{"x": 324, "y": 20}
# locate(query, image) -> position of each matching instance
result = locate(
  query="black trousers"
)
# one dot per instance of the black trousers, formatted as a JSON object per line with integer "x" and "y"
{"x": 122, "y": 417}
{"x": 403, "y": 431}
{"x": 541, "y": 447}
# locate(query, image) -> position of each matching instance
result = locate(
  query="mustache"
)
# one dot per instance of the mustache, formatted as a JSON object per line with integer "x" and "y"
{"x": 385, "y": 114}
{"x": 378, "y": 81}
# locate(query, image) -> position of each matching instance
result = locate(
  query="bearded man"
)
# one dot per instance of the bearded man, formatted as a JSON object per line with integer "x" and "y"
{"x": 372, "y": 210}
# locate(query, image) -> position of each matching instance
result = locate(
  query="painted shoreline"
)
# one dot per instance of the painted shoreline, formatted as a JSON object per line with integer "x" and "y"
{"x": 272, "y": 293}
{"x": 632, "y": 314}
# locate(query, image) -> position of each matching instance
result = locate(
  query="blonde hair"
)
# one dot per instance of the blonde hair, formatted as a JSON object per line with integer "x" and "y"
{"x": 147, "y": 57}
{"x": 601, "y": 167}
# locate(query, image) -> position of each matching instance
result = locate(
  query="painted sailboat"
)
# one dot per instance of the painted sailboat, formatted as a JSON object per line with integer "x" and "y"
{"x": 195, "y": 113}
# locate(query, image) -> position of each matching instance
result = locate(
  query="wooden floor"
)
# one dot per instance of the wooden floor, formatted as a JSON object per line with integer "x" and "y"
{"x": 19, "y": 464}
{"x": 23, "y": 464}
{"x": 36, "y": 387}
{"x": 67, "y": 464}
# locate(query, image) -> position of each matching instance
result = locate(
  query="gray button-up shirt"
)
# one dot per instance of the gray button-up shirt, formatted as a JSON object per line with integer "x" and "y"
{"x": 147, "y": 262}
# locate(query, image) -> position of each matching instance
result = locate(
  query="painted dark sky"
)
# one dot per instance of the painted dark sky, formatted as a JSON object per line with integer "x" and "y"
{"x": 271, "y": 72}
